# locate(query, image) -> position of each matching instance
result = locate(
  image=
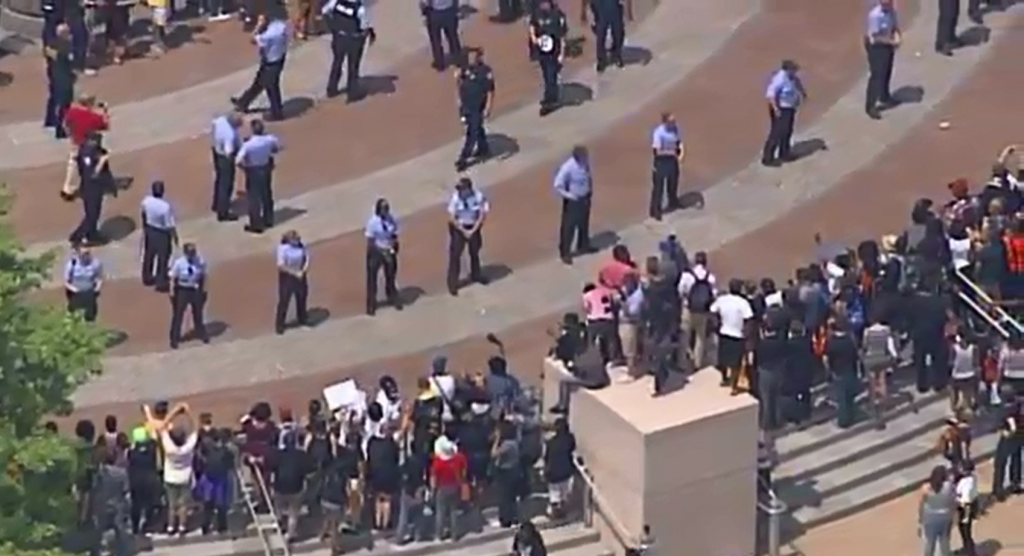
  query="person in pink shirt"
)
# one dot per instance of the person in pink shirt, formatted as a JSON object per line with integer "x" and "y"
{"x": 599, "y": 305}
{"x": 613, "y": 274}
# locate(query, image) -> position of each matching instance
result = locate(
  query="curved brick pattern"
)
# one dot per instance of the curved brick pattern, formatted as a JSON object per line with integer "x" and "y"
{"x": 185, "y": 113}
{"x": 327, "y": 145}
{"x": 977, "y": 110}
{"x": 202, "y": 52}
{"x": 425, "y": 181}
{"x": 301, "y": 352}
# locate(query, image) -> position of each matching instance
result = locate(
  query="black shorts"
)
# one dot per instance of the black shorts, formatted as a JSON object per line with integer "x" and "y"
{"x": 730, "y": 352}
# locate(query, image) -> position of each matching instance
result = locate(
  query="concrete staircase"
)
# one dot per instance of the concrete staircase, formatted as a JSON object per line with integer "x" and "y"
{"x": 568, "y": 538}
{"x": 826, "y": 473}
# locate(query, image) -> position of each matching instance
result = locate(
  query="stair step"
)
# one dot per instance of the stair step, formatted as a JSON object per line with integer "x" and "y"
{"x": 574, "y": 538}
{"x": 826, "y": 474}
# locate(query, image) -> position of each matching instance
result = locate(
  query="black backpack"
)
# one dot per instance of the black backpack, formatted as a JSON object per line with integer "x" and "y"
{"x": 320, "y": 451}
{"x": 701, "y": 294}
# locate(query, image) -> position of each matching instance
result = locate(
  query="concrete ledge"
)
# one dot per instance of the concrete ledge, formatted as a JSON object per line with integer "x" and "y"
{"x": 23, "y": 29}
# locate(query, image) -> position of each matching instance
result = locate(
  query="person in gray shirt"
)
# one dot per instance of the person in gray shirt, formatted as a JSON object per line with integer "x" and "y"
{"x": 507, "y": 473}
{"x": 109, "y": 505}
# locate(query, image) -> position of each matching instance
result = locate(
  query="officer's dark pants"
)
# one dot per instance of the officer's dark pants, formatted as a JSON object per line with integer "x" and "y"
{"x": 945, "y": 32}
{"x": 475, "y": 143}
{"x": 346, "y": 50}
{"x": 60, "y": 93}
{"x": 156, "y": 252}
{"x": 549, "y": 71}
{"x": 1008, "y": 459}
{"x": 259, "y": 196}
{"x": 931, "y": 362}
{"x": 509, "y": 10}
{"x": 51, "y": 20}
{"x": 665, "y": 185}
{"x": 79, "y": 44}
{"x": 610, "y": 34}
{"x": 290, "y": 288}
{"x": 780, "y": 135}
{"x": 845, "y": 393}
{"x": 223, "y": 183}
{"x": 84, "y": 302}
{"x": 575, "y": 224}
{"x": 444, "y": 22}
{"x": 92, "y": 208}
{"x": 457, "y": 243}
{"x": 194, "y": 300}
{"x": 880, "y": 62}
{"x": 267, "y": 80}
{"x": 377, "y": 261}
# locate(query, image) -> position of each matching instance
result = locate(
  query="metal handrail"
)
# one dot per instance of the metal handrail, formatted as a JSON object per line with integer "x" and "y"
{"x": 774, "y": 508}
{"x": 264, "y": 491}
{"x": 981, "y": 312}
{"x": 251, "y": 505}
{"x": 985, "y": 298}
{"x": 626, "y": 540}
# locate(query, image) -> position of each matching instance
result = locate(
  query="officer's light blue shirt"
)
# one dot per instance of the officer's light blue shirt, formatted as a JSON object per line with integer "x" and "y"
{"x": 84, "y": 277}
{"x": 158, "y": 213}
{"x": 634, "y": 305}
{"x": 469, "y": 210}
{"x": 784, "y": 90}
{"x": 666, "y": 140}
{"x": 382, "y": 231}
{"x": 362, "y": 14}
{"x": 224, "y": 137}
{"x": 573, "y": 180}
{"x": 186, "y": 273}
{"x": 258, "y": 150}
{"x": 882, "y": 24}
{"x": 273, "y": 42}
{"x": 293, "y": 257}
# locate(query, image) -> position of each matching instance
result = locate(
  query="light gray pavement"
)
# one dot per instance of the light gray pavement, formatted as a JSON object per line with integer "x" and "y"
{"x": 187, "y": 113}
{"x": 735, "y": 207}
{"x": 426, "y": 180}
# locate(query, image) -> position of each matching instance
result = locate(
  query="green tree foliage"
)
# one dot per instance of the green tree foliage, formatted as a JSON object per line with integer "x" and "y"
{"x": 45, "y": 354}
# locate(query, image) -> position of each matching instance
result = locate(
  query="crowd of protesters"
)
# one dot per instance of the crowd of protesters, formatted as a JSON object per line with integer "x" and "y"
{"x": 418, "y": 469}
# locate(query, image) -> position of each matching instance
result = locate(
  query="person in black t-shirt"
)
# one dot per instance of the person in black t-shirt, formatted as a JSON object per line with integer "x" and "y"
{"x": 842, "y": 358}
{"x": 334, "y": 499}
{"x": 1008, "y": 452}
{"x": 348, "y": 457}
{"x": 383, "y": 475}
{"x": 94, "y": 173}
{"x": 144, "y": 481}
{"x": 425, "y": 418}
{"x": 770, "y": 360}
{"x": 218, "y": 462}
{"x": 414, "y": 496}
{"x": 289, "y": 467}
{"x": 559, "y": 451}
{"x": 476, "y": 438}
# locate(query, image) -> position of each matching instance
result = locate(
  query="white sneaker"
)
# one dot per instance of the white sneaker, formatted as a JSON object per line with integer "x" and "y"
{"x": 90, "y": 72}
{"x": 221, "y": 17}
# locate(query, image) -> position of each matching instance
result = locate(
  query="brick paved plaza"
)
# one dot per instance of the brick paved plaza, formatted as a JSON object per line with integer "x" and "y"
{"x": 707, "y": 62}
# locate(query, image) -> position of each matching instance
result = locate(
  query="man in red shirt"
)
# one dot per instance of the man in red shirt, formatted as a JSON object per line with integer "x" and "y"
{"x": 447, "y": 476}
{"x": 82, "y": 119}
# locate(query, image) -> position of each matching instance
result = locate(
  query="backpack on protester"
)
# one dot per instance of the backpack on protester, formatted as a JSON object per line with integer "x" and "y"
{"x": 701, "y": 295}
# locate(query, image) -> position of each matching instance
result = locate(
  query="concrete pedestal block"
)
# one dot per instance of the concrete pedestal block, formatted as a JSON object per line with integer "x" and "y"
{"x": 684, "y": 463}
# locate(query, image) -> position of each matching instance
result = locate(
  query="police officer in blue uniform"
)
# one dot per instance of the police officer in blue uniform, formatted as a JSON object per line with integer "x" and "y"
{"x": 225, "y": 141}
{"x": 292, "y": 282}
{"x": 476, "y": 95}
{"x": 609, "y": 29}
{"x": 60, "y": 77}
{"x": 94, "y": 175}
{"x": 882, "y": 39}
{"x": 467, "y": 211}
{"x": 381, "y": 255}
{"x": 271, "y": 37}
{"x": 188, "y": 291}
{"x": 548, "y": 29}
{"x": 442, "y": 18}
{"x": 785, "y": 93}
{"x": 668, "y": 150}
{"x": 575, "y": 185}
{"x": 159, "y": 235}
{"x": 256, "y": 158}
{"x": 349, "y": 21}
{"x": 83, "y": 278}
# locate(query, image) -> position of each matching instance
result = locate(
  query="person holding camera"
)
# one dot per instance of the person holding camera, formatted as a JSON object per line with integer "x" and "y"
{"x": 83, "y": 119}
